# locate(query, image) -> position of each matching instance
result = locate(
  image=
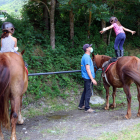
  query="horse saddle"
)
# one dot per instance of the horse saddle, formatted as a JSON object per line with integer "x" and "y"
{"x": 107, "y": 64}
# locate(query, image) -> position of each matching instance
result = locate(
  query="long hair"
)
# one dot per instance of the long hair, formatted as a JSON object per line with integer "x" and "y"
{"x": 5, "y": 34}
{"x": 118, "y": 23}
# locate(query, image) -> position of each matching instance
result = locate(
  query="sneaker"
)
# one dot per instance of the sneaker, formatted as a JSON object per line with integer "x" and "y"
{"x": 81, "y": 108}
{"x": 90, "y": 111}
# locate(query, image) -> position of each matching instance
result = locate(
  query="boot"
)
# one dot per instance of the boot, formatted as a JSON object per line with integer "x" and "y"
{"x": 121, "y": 53}
{"x": 117, "y": 53}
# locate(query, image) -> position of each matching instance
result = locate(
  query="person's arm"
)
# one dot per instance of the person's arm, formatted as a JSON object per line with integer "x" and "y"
{"x": 15, "y": 42}
{"x": 90, "y": 75}
{"x": 128, "y": 30}
{"x": 107, "y": 28}
{"x": 1, "y": 42}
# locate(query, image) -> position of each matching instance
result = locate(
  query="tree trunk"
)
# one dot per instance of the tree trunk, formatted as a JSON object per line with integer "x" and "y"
{"x": 71, "y": 16}
{"x": 105, "y": 34}
{"x": 52, "y": 32}
{"x": 138, "y": 32}
{"x": 109, "y": 37}
{"x": 45, "y": 16}
{"x": 90, "y": 14}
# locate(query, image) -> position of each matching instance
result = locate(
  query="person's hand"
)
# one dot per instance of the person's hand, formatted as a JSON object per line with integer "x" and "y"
{"x": 133, "y": 32}
{"x": 101, "y": 32}
{"x": 94, "y": 82}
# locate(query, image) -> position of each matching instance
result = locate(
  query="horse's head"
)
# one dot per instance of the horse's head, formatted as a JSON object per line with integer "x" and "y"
{"x": 98, "y": 60}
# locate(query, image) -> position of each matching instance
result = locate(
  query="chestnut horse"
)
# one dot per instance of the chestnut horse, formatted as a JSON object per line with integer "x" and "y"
{"x": 120, "y": 75}
{"x": 13, "y": 84}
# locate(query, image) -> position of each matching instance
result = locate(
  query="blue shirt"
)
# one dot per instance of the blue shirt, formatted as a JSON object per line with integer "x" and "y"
{"x": 86, "y": 60}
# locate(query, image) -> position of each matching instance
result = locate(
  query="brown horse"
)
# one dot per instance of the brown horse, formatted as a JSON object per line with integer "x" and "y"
{"x": 13, "y": 84}
{"x": 121, "y": 74}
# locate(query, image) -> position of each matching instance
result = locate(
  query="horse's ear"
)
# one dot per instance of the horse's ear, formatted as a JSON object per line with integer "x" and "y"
{"x": 22, "y": 52}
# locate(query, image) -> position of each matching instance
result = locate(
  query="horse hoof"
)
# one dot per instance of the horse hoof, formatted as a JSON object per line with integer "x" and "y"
{"x": 21, "y": 122}
{"x": 112, "y": 106}
{"x": 138, "y": 115}
{"x": 13, "y": 138}
{"x": 2, "y": 137}
{"x": 127, "y": 117}
{"x": 106, "y": 108}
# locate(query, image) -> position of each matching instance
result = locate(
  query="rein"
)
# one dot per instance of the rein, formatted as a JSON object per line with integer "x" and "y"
{"x": 94, "y": 64}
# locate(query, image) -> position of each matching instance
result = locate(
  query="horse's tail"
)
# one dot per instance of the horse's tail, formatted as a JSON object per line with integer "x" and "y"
{"x": 4, "y": 92}
{"x": 132, "y": 71}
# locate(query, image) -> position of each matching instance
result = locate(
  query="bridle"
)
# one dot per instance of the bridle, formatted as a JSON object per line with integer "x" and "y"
{"x": 95, "y": 66}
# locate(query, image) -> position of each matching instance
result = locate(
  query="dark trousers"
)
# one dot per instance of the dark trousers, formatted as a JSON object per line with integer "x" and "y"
{"x": 86, "y": 94}
{"x": 119, "y": 41}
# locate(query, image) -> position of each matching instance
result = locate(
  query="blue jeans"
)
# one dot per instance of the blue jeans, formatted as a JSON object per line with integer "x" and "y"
{"x": 119, "y": 41}
{"x": 86, "y": 94}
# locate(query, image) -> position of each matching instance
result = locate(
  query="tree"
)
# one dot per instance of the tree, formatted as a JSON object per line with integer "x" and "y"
{"x": 51, "y": 13}
{"x": 52, "y": 26}
{"x": 45, "y": 14}
{"x": 71, "y": 16}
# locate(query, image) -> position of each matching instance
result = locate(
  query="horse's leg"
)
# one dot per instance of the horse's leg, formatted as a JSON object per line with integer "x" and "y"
{"x": 20, "y": 119}
{"x": 138, "y": 88}
{"x": 107, "y": 96}
{"x": 15, "y": 106}
{"x": 113, "y": 96}
{"x": 126, "y": 89}
{"x": 1, "y": 135}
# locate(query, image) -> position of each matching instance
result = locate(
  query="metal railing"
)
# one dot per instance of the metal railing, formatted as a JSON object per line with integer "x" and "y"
{"x": 58, "y": 72}
{"x": 49, "y": 73}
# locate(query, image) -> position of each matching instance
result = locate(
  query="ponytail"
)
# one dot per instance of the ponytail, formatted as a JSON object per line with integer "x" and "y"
{"x": 5, "y": 34}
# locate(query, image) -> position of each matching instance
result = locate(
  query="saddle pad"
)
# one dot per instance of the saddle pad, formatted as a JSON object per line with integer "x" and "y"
{"x": 109, "y": 66}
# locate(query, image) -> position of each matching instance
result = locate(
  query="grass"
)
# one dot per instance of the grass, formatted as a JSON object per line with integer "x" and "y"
{"x": 86, "y": 138}
{"x": 47, "y": 105}
{"x": 131, "y": 133}
{"x": 96, "y": 125}
{"x": 54, "y": 131}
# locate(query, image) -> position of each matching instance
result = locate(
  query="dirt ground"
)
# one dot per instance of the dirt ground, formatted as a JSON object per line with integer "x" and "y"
{"x": 76, "y": 124}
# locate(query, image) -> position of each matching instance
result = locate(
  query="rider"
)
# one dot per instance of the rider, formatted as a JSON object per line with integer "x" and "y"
{"x": 120, "y": 35}
{"x": 8, "y": 42}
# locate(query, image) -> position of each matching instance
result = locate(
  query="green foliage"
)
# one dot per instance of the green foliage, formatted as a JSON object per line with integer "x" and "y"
{"x": 41, "y": 58}
{"x": 34, "y": 12}
{"x": 12, "y": 6}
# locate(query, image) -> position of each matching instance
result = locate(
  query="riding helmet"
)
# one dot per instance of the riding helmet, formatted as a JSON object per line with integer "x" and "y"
{"x": 113, "y": 20}
{"x": 8, "y": 26}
